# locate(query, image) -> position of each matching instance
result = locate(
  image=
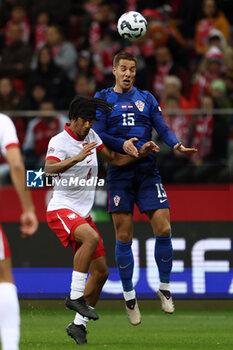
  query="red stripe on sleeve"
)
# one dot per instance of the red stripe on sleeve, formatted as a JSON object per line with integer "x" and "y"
{"x": 99, "y": 148}
{"x": 52, "y": 157}
{"x": 13, "y": 144}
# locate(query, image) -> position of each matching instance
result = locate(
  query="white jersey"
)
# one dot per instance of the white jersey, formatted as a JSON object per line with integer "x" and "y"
{"x": 71, "y": 188}
{"x": 8, "y": 136}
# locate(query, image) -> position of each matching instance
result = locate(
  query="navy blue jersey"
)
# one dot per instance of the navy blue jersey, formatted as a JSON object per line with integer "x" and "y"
{"x": 134, "y": 115}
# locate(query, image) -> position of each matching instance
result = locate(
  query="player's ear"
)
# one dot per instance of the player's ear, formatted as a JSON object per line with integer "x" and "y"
{"x": 114, "y": 71}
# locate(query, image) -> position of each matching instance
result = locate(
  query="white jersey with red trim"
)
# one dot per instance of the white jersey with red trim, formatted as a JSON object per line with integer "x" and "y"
{"x": 8, "y": 136}
{"x": 75, "y": 188}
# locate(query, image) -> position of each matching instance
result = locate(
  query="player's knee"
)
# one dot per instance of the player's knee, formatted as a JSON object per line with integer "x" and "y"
{"x": 95, "y": 239}
{"x": 124, "y": 236}
{"x": 91, "y": 238}
{"x": 164, "y": 231}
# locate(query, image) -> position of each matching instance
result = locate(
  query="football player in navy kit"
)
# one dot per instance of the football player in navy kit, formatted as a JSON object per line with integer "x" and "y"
{"x": 125, "y": 130}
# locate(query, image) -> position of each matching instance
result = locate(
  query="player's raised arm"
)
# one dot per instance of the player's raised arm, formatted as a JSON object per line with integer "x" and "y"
{"x": 53, "y": 166}
{"x": 100, "y": 127}
{"x": 161, "y": 127}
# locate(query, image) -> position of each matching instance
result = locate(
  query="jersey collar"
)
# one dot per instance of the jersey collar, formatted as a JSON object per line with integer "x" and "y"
{"x": 67, "y": 129}
{"x": 125, "y": 93}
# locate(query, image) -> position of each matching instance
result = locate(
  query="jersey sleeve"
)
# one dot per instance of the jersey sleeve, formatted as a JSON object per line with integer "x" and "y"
{"x": 55, "y": 150}
{"x": 160, "y": 126}
{"x": 8, "y": 136}
{"x": 96, "y": 138}
{"x": 100, "y": 127}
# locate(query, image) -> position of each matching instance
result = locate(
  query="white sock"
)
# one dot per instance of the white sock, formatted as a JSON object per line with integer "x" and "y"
{"x": 9, "y": 316}
{"x": 79, "y": 319}
{"x": 129, "y": 295}
{"x": 78, "y": 284}
{"x": 164, "y": 286}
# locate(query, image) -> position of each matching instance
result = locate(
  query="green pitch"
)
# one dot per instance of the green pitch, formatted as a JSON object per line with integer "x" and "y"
{"x": 185, "y": 330}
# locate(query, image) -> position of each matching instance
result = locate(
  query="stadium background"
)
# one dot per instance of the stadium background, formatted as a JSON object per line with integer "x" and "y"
{"x": 201, "y": 211}
{"x": 202, "y": 241}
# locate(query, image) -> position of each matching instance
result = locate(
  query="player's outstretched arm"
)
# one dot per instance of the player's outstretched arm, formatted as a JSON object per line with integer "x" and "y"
{"x": 117, "y": 159}
{"x": 54, "y": 167}
{"x": 179, "y": 147}
{"x": 29, "y": 223}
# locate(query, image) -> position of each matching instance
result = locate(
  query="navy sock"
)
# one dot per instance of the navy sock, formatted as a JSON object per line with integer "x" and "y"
{"x": 164, "y": 256}
{"x": 125, "y": 264}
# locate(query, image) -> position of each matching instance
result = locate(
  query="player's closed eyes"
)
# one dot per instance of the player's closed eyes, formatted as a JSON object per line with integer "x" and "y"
{"x": 132, "y": 70}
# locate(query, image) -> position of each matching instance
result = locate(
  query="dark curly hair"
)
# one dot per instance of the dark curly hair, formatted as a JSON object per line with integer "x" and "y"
{"x": 86, "y": 107}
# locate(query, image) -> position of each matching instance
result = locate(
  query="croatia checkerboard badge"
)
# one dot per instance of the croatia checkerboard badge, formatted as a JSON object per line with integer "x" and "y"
{"x": 140, "y": 105}
{"x": 116, "y": 200}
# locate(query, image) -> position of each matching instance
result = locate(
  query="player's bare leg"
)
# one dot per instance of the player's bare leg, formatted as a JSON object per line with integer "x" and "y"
{"x": 5, "y": 271}
{"x": 89, "y": 239}
{"x": 98, "y": 276}
{"x": 160, "y": 221}
{"x": 96, "y": 280}
{"x": 9, "y": 308}
{"x": 123, "y": 223}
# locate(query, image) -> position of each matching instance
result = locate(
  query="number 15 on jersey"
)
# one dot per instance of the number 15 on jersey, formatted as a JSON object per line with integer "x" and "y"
{"x": 128, "y": 119}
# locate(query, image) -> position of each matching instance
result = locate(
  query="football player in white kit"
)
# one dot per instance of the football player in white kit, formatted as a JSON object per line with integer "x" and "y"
{"x": 9, "y": 305}
{"x": 73, "y": 155}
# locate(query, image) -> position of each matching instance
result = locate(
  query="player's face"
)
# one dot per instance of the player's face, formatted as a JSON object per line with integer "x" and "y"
{"x": 124, "y": 74}
{"x": 81, "y": 126}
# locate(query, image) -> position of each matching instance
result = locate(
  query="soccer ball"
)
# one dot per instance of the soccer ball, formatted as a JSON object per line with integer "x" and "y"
{"x": 132, "y": 25}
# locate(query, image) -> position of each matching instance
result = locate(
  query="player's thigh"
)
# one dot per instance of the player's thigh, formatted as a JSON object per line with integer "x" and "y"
{"x": 99, "y": 269}
{"x": 99, "y": 252}
{"x": 160, "y": 221}
{"x": 123, "y": 224}
{"x": 70, "y": 227}
{"x": 5, "y": 271}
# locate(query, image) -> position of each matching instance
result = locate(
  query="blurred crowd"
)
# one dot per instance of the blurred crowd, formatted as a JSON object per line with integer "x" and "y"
{"x": 50, "y": 51}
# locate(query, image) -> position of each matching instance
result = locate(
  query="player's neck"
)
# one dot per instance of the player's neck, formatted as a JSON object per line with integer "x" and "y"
{"x": 80, "y": 137}
{"x": 120, "y": 90}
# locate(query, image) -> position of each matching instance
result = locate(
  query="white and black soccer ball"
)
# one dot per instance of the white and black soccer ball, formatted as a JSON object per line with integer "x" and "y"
{"x": 132, "y": 26}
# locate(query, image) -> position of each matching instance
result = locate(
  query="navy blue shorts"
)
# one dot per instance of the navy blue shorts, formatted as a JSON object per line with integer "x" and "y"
{"x": 145, "y": 189}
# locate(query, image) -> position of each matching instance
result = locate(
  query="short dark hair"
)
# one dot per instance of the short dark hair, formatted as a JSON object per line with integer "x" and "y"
{"x": 123, "y": 56}
{"x": 86, "y": 107}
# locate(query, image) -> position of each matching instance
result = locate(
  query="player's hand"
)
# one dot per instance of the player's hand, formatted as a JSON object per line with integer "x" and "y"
{"x": 147, "y": 148}
{"x": 86, "y": 151}
{"x": 29, "y": 223}
{"x": 129, "y": 147}
{"x": 179, "y": 147}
